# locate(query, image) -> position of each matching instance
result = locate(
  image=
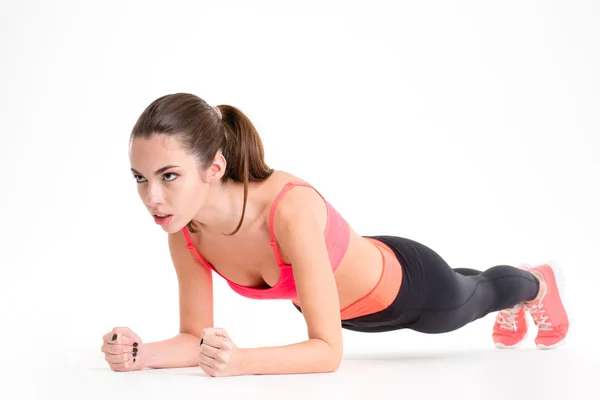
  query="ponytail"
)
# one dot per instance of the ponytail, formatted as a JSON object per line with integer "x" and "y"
{"x": 243, "y": 151}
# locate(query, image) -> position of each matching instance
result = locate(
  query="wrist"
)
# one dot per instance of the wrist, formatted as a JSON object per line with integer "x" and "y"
{"x": 245, "y": 361}
{"x": 147, "y": 352}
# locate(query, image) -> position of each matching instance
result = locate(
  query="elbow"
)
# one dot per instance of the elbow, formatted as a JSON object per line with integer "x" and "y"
{"x": 333, "y": 363}
{"x": 333, "y": 357}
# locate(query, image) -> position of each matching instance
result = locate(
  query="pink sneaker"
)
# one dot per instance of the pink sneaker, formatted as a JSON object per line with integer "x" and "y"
{"x": 510, "y": 328}
{"x": 549, "y": 313}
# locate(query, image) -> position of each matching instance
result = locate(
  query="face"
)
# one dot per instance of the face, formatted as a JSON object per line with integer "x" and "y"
{"x": 169, "y": 180}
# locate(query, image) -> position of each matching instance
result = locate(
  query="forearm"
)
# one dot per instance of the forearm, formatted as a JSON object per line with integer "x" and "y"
{"x": 179, "y": 351}
{"x": 311, "y": 356}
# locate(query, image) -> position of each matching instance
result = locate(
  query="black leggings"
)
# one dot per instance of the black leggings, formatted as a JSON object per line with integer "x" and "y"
{"x": 434, "y": 298}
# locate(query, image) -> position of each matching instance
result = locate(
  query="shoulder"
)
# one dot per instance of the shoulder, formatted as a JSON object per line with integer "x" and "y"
{"x": 178, "y": 245}
{"x": 298, "y": 208}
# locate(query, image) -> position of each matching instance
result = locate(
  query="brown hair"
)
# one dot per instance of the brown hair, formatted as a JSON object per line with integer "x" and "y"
{"x": 203, "y": 133}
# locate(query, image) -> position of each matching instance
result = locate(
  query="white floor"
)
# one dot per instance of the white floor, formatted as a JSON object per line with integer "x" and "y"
{"x": 565, "y": 374}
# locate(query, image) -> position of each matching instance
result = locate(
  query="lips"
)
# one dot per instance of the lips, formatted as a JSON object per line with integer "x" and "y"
{"x": 160, "y": 213}
{"x": 162, "y": 220}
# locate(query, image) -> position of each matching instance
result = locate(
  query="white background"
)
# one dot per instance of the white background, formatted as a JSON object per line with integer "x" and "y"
{"x": 472, "y": 127}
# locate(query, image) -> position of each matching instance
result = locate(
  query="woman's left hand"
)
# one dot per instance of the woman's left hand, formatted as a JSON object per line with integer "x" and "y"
{"x": 218, "y": 354}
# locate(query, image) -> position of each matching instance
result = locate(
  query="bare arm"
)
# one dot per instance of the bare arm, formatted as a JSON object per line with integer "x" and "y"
{"x": 299, "y": 227}
{"x": 179, "y": 351}
{"x": 195, "y": 310}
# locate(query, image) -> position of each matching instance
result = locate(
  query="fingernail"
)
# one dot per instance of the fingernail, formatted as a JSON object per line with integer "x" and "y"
{"x": 134, "y": 359}
{"x": 114, "y": 336}
{"x": 135, "y": 344}
{"x": 201, "y": 340}
{"x": 134, "y": 351}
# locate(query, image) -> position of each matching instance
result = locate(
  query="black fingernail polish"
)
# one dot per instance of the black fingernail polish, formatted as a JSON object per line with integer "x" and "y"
{"x": 134, "y": 351}
{"x": 135, "y": 344}
{"x": 114, "y": 337}
{"x": 134, "y": 360}
{"x": 201, "y": 340}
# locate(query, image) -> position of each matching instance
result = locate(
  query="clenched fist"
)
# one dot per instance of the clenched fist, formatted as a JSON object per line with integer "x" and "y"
{"x": 218, "y": 354}
{"x": 123, "y": 350}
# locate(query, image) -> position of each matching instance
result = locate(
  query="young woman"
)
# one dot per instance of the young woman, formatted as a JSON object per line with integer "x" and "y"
{"x": 201, "y": 174}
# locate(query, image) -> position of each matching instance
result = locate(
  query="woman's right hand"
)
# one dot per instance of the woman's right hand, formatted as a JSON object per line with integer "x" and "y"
{"x": 123, "y": 350}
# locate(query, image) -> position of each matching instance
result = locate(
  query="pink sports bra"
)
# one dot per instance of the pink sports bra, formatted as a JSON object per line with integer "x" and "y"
{"x": 336, "y": 238}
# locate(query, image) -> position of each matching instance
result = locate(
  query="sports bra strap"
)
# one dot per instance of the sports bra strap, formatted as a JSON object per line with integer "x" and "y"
{"x": 276, "y": 202}
{"x": 191, "y": 246}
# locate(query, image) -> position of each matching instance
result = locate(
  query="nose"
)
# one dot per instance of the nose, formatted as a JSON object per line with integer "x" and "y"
{"x": 154, "y": 196}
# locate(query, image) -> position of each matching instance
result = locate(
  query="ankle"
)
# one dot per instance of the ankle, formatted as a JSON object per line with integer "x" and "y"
{"x": 542, "y": 289}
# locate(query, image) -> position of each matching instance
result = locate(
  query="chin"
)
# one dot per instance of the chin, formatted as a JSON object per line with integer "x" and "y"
{"x": 170, "y": 226}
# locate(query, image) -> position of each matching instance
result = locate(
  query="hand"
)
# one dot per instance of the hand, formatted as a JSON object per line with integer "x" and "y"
{"x": 123, "y": 350}
{"x": 219, "y": 356}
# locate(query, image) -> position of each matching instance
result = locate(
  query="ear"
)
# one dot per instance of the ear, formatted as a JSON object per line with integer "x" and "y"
{"x": 216, "y": 169}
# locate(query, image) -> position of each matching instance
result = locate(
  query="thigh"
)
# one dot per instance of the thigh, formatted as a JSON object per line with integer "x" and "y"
{"x": 443, "y": 288}
{"x": 451, "y": 297}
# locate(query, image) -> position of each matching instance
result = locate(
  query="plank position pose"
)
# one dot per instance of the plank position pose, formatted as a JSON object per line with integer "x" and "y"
{"x": 201, "y": 174}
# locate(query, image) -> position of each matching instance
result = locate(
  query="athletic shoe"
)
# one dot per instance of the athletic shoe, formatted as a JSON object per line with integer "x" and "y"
{"x": 510, "y": 327}
{"x": 548, "y": 312}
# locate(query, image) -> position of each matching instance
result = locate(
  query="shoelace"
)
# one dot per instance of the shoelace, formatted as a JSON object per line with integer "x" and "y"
{"x": 538, "y": 314}
{"x": 507, "y": 318}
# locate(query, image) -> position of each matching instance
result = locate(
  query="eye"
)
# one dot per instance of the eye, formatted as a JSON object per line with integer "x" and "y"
{"x": 171, "y": 174}
{"x": 138, "y": 178}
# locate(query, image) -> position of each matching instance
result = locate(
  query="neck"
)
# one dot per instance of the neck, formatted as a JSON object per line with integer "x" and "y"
{"x": 222, "y": 208}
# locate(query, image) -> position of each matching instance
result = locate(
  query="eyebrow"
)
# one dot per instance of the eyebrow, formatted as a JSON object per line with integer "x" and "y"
{"x": 158, "y": 171}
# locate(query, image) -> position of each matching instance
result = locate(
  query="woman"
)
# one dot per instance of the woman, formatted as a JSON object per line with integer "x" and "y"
{"x": 201, "y": 174}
